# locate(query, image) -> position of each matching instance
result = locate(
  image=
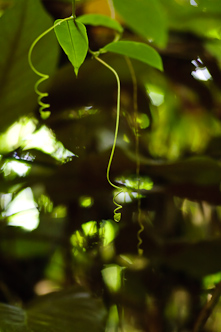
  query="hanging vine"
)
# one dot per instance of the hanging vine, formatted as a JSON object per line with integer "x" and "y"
{"x": 72, "y": 36}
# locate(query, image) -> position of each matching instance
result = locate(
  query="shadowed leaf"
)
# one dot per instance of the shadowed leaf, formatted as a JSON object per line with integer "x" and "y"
{"x": 72, "y": 310}
{"x": 19, "y": 26}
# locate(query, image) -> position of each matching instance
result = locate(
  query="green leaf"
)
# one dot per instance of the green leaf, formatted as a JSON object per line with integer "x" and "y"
{"x": 72, "y": 36}
{"x": 19, "y": 26}
{"x": 70, "y": 310}
{"x": 138, "y": 51}
{"x": 145, "y": 18}
{"x": 100, "y": 20}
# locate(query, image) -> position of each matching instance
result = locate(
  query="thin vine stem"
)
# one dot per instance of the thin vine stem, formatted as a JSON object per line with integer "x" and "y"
{"x": 43, "y": 77}
{"x": 137, "y": 146}
{"x": 208, "y": 309}
{"x": 73, "y": 8}
{"x": 112, "y": 10}
{"x": 117, "y": 215}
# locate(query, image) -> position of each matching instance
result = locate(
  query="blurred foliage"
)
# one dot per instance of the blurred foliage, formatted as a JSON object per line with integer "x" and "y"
{"x": 56, "y": 206}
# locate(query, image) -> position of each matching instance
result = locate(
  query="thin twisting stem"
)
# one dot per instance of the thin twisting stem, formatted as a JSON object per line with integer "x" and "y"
{"x": 43, "y": 77}
{"x": 112, "y": 10}
{"x": 137, "y": 142}
{"x": 117, "y": 215}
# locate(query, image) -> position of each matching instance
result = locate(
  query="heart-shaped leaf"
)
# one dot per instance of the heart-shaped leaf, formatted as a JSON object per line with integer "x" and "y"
{"x": 138, "y": 51}
{"x": 72, "y": 37}
{"x": 100, "y": 20}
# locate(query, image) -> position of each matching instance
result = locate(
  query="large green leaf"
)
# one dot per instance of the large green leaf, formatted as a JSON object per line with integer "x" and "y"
{"x": 72, "y": 37}
{"x": 145, "y": 18}
{"x": 138, "y": 51}
{"x": 19, "y": 27}
{"x": 102, "y": 20}
{"x": 72, "y": 310}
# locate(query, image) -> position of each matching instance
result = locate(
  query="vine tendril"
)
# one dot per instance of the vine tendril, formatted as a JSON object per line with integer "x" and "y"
{"x": 43, "y": 77}
{"x": 137, "y": 142}
{"x": 117, "y": 215}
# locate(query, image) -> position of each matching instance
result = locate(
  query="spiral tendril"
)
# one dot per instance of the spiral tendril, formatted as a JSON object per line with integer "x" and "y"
{"x": 136, "y": 132}
{"x": 43, "y": 77}
{"x": 117, "y": 215}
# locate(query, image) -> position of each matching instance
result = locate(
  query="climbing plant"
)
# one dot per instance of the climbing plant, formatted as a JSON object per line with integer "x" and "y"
{"x": 110, "y": 105}
{"x": 72, "y": 36}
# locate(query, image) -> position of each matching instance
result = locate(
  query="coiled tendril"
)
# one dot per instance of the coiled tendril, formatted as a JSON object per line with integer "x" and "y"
{"x": 43, "y": 77}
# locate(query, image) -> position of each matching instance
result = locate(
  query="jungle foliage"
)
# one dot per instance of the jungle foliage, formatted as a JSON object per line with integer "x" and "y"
{"x": 154, "y": 265}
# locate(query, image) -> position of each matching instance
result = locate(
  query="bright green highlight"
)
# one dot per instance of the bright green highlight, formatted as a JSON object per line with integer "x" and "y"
{"x": 143, "y": 120}
{"x": 211, "y": 280}
{"x": 106, "y": 231}
{"x": 137, "y": 51}
{"x": 22, "y": 211}
{"x": 86, "y": 201}
{"x": 90, "y": 228}
{"x": 45, "y": 141}
{"x": 15, "y": 134}
{"x": 112, "y": 277}
{"x": 131, "y": 182}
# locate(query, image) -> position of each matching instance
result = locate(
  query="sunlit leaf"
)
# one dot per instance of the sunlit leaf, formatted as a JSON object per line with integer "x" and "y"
{"x": 138, "y": 51}
{"x": 72, "y": 37}
{"x": 19, "y": 26}
{"x": 100, "y": 20}
{"x": 144, "y": 17}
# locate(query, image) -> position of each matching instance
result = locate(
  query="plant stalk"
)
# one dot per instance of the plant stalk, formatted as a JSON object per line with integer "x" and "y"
{"x": 73, "y": 8}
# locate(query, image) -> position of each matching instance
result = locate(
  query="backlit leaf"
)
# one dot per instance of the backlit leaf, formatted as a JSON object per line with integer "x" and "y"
{"x": 145, "y": 18}
{"x": 72, "y": 36}
{"x": 138, "y": 51}
{"x": 100, "y": 20}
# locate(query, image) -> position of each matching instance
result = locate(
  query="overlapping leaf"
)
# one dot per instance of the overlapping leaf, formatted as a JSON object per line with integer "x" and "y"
{"x": 100, "y": 20}
{"x": 19, "y": 26}
{"x": 138, "y": 51}
{"x": 145, "y": 18}
{"x": 73, "y": 310}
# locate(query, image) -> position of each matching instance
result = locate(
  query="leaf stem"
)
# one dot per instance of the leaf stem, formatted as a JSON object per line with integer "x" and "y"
{"x": 73, "y": 9}
{"x": 43, "y": 77}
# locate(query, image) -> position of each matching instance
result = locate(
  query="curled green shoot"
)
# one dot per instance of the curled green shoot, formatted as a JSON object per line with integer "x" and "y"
{"x": 117, "y": 215}
{"x": 43, "y": 77}
{"x": 137, "y": 142}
